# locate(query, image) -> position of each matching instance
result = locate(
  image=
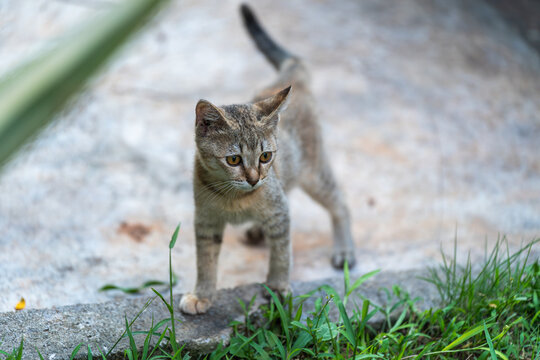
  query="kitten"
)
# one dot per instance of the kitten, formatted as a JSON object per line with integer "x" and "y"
{"x": 248, "y": 157}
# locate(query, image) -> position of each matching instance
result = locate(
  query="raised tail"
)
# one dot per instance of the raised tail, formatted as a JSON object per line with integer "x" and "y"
{"x": 273, "y": 52}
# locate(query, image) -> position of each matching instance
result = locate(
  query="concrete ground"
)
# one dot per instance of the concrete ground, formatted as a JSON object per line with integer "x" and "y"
{"x": 431, "y": 114}
{"x": 56, "y": 332}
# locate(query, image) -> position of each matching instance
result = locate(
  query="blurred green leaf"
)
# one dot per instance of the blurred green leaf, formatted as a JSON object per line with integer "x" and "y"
{"x": 146, "y": 285}
{"x": 31, "y": 94}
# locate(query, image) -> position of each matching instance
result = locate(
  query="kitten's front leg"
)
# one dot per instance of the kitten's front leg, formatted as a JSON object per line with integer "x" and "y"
{"x": 277, "y": 233}
{"x": 208, "y": 242}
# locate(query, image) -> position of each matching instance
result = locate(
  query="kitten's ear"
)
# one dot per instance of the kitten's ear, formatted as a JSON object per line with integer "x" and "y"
{"x": 270, "y": 107}
{"x": 206, "y": 115}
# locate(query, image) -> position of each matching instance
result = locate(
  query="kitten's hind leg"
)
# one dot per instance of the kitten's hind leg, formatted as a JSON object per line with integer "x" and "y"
{"x": 254, "y": 236}
{"x": 322, "y": 187}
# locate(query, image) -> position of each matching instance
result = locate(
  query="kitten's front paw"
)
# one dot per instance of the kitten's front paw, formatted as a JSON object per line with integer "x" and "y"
{"x": 339, "y": 258}
{"x": 191, "y": 304}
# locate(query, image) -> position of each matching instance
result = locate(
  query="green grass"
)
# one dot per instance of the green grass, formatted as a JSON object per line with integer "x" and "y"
{"x": 489, "y": 311}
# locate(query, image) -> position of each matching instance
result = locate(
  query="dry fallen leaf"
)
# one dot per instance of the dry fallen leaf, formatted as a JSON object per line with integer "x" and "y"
{"x": 21, "y": 304}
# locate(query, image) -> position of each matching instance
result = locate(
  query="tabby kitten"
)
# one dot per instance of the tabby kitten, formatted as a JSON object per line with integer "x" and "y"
{"x": 248, "y": 157}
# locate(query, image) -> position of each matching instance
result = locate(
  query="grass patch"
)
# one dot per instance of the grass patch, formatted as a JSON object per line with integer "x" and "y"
{"x": 490, "y": 311}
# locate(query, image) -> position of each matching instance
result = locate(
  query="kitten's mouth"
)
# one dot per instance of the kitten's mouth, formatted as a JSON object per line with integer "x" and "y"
{"x": 245, "y": 187}
{"x": 257, "y": 185}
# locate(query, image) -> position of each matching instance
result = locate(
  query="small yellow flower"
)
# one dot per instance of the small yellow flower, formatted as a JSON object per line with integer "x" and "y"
{"x": 21, "y": 304}
{"x": 492, "y": 305}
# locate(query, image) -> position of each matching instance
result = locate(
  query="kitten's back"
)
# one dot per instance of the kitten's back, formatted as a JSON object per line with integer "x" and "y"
{"x": 301, "y": 149}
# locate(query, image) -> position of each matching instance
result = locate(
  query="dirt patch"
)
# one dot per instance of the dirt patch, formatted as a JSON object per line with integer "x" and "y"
{"x": 136, "y": 231}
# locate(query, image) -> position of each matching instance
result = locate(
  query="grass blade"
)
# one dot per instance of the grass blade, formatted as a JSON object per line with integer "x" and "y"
{"x": 174, "y": 237}
{"x": 101, "y": 353}
{"x": 346, "y": 277}
{"x": 244, "y": 343}
{"x": 362, "y": 279}
{"x": 349, "y": 333}
{"x": 284, "y": 318}
{"x": 146, "y": 305}
{"x": 132, "y": 344}
{"x": 490, "y": 343}
{"x": 300, "y": 343}
{"x": 40, "y": 356}
{"x": 169, "y": 307}
{"x": 17, "y": 354}
{"x": 467, "y": 335}
{"x": 145, "y": 285}
{"x": 126, "y": 290}
{"x": 263, "y": 354}
{"x": 75, "y": 351}
{"x": 497, "y": 352}
{"x": 277, "y": 343}
{"x": 147, "y": 340}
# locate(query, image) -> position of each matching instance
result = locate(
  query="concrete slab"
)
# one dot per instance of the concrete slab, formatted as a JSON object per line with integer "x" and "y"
{"x": 431, "y": 112}
{"x": 56, "y": 332}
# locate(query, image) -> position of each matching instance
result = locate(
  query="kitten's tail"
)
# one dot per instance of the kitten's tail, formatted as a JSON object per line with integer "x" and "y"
{"x": 273, "y": 52}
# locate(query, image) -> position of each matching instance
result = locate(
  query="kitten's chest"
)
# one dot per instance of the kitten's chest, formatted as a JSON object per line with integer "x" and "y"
{"x": 236, "y": 211}
{"x": 238, "y": 217}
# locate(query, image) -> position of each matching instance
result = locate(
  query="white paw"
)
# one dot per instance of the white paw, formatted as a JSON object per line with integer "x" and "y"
{"x": 191, "y": 304}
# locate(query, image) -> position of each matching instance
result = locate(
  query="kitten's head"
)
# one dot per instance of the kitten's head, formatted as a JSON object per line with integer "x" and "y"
{"x": 237, "y": 144}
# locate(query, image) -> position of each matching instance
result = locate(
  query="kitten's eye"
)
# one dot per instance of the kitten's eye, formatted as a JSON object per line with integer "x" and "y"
{"x": 265, "y": 157}
{"x": 233, "y": 160}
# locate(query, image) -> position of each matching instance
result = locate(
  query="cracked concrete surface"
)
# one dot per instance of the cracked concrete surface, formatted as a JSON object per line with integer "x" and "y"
{"x": 431, "y": 114}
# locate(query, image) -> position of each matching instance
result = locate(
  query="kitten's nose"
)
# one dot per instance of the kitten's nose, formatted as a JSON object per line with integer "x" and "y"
{"x": 252, "y": 177}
